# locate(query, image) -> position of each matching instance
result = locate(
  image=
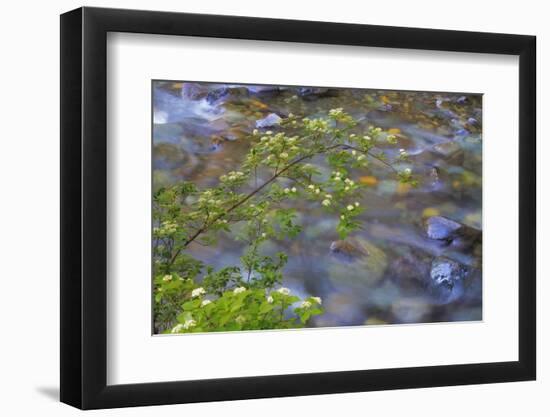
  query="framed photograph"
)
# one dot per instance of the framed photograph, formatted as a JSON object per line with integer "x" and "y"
{"x": 257, "y": 208}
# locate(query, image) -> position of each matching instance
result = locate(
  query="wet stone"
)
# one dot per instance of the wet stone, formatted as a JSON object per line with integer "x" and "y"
{"x": 447, "y": 279}
{"x": 270, "y": 120}
{"x": 442, "y": 228}
{"x": 450, "y": 152}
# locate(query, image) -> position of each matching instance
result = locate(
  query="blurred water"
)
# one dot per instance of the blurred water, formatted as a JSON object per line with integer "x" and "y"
{"x": 200, "y": 132}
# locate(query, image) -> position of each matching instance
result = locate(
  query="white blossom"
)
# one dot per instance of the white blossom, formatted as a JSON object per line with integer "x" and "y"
{"x": 197, "y": 292}
{"x": 293, "y": 189}
{"x": 350, "y": 207}
{"x": 239, "y": 290}
{"x": 317, "y": 300}
{"x": 167, "y": 278}
{"x": 269, "y": 299}
{"x": 305, "y": 304}
{"x": 287, "y": 190}
{"x": 189, "y": 323}
{"x": 177, "y": 328}
{"x": 205, "y": 303}
{"x": 284, "y": 291}
{"x": 326, "y": 203}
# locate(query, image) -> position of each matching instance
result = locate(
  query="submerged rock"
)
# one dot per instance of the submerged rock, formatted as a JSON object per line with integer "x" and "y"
{"x": 226, "y": 93}
{"x": 450, "y": 152}
{"x": 194, "y": 91}
{"x": 270, "y": 120}
{"x": 356, "y": 262}
{"x": 312, "y": 91}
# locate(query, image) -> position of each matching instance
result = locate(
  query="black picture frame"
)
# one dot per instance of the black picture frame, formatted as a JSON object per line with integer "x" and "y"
{"x": 84, "y": 207}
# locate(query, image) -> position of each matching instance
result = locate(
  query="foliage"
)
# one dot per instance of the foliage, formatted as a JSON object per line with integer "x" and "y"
{"x": 252, "y": 206}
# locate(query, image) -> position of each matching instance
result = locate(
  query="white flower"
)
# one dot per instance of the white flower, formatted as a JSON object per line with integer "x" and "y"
{"x": 351, "y": 182}
{"x": 326, "y": 203}
{"x": 367, "y": 138}
{"x": 354, "y": 152}
{"x": 197, "y": 292}
{"x": 239, "y": 290}
{"x": 255, "y": 132}
{"x": 317, "y": 300}
{"x": 347, "y": 180}
{"x": 407, "y": 171}
{"x": 360, "y": 157}
{"x": 177, "y": 328}
{"x": 189, "y": 323}
{"x": 305, "y": 304}
{"x": 269, "y": 132}
{"x": 269, "y": 299}
{"x": 205, "y": 303}
{"x": 337, "y": 178}
{"x": 352, "y": 135}
{"x": 284, "y": 291}
{"x": 167, "y": 278}
{"x": 284, "y": 155}
{"x": 311, "y": 186}
{"x": 350, "y": 207}
{"x": 328, "y": 196}
{"x": 264, "y": 235}
{"x": 287, "y": 190}
{"x": 317, "y": 191}
{"x": 293, "y": 189}
{"x": 290, "y": 115}
{"x": 343, "y": 217}
{"x": 263, "y": 138}
{"x": 356, "y": 204}
{"x": 346, "y": 188}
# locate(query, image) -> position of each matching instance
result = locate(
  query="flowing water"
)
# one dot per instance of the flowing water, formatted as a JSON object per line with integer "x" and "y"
{"x": 201, "y": 131}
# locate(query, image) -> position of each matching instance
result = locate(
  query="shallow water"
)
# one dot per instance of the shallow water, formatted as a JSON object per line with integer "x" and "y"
{"x": 200, "y": 132}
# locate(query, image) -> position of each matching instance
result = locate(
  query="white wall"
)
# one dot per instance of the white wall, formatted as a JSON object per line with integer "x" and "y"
{"x": 29, "y": 264}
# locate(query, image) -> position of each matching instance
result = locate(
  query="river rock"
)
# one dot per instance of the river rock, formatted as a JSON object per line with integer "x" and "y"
{"x": 311, "y": 91}
{"x": 441, "y": 228}
{"x": 270, "y": 120}
{"x": 451, "y": 232}
{"x": 447, "y": 279}
{"x": 194, "y": 91}
{"x": 225, "y": 94}
{"x": 356, "y": 262}
{"x": 450, "y": 152}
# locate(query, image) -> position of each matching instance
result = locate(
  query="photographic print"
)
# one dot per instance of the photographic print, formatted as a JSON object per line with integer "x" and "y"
{"x": 286, "y": 207}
